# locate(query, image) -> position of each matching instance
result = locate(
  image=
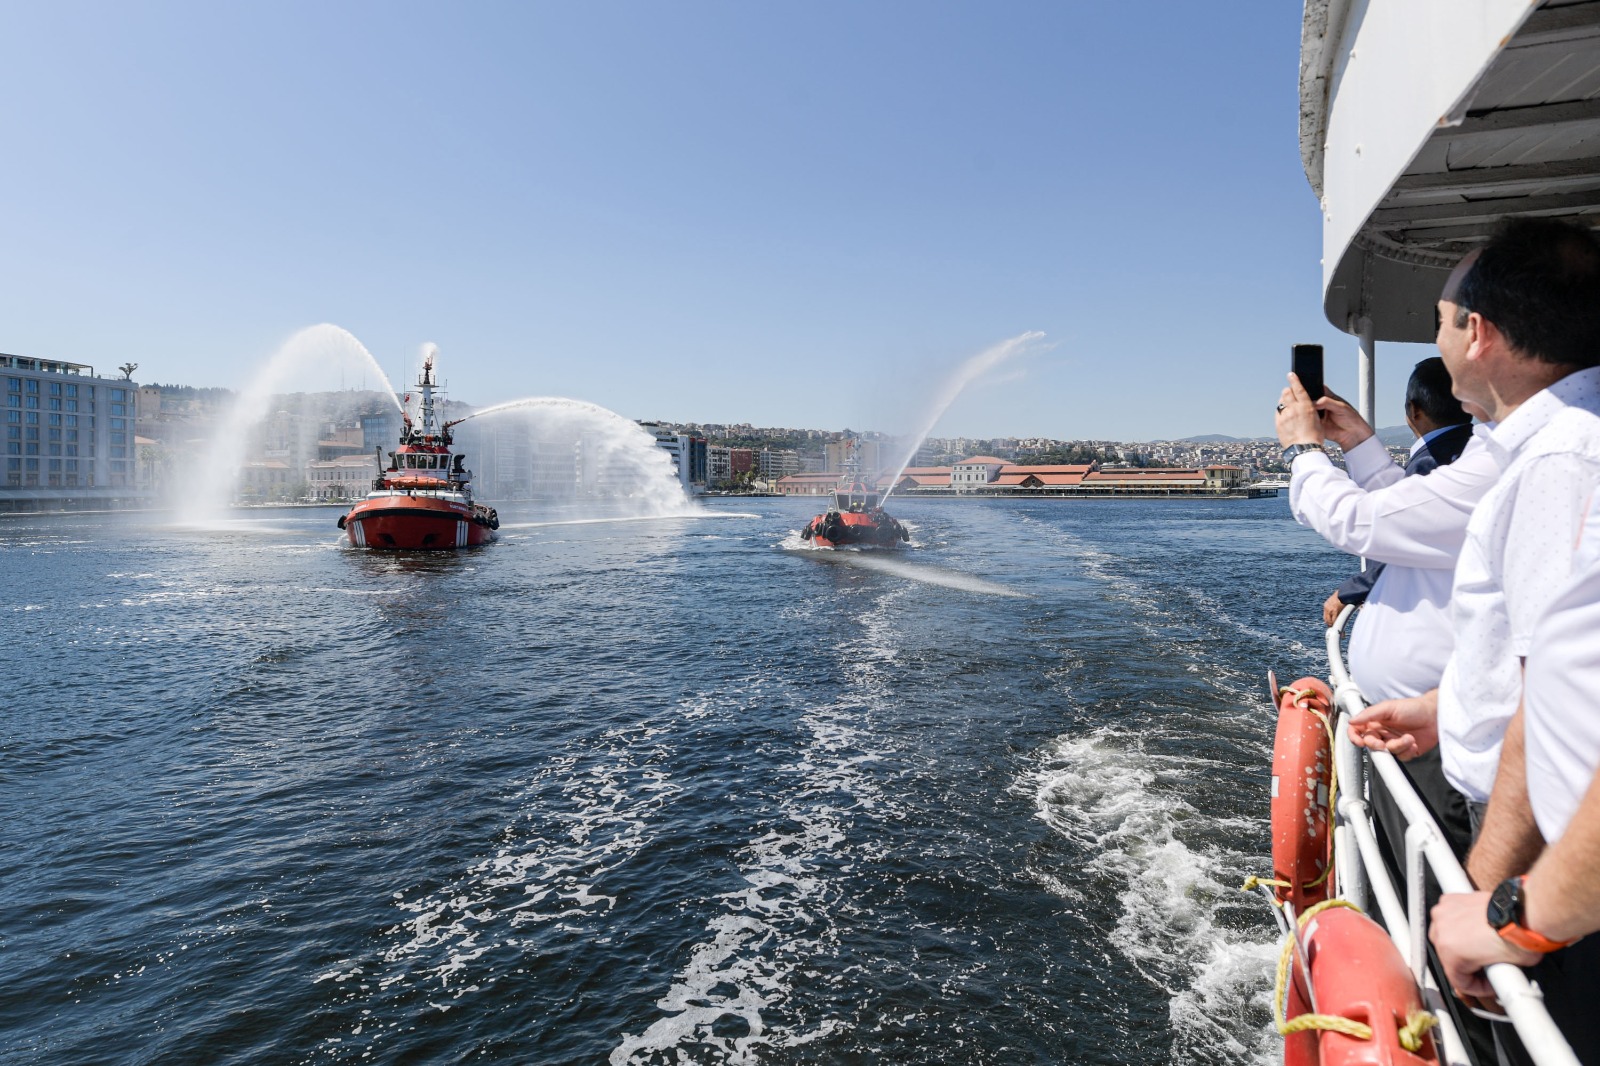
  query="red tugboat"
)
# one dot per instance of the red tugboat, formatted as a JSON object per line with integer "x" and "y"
{"x": 856, "y": 518}
{"x": 424, "y": 499}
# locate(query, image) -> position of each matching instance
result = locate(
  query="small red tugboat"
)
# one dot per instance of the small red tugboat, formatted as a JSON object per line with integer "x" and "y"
{"x": 424, "y": 499}
{"x": 856, "y": 518}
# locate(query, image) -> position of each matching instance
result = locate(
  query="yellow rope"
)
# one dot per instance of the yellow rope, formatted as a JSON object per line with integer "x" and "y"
{"x": 1417, "y": 1022}
{"x": 1300, "y": 696}
{"x": 1302, "y": 1022}
{"x": 1252, "y": 882}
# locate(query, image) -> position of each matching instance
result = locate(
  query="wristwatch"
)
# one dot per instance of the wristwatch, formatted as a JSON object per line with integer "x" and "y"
{"x": 1293, "y": 450}
{"x": 1505, "y": 917}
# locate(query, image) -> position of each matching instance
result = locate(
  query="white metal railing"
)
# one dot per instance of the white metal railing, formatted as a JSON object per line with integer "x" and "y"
{"x": 1362, "y": 873}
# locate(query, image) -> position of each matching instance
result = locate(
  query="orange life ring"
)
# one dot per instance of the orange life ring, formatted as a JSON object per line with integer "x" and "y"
{"x": 415, "y": 481}
{"x": 1358, "y": 976}
{"x": 1302, "y": 783}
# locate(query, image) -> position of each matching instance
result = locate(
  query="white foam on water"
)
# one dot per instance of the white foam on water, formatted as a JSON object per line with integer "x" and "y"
{"x": 730, "y": 1001}
{"x": 1127, "y": 810}
{"x": 544, "y": 871}
{"x": 932, "y": 575}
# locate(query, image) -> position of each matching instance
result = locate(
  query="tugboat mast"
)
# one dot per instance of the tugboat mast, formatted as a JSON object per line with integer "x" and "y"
{"x": 426, "y": 384}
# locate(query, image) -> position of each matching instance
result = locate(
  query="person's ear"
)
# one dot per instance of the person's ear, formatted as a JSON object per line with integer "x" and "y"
{"x": 1481, "y": 335}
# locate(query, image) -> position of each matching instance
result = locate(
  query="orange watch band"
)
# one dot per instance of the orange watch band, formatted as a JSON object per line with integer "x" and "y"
{"x": 1520, "y": 935}
{"x": 1528, "y": 940}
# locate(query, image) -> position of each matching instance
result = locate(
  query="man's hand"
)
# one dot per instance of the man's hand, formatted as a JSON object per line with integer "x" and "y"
{"x": 1331, "y": 608}
{"x": 1297, "y": 416}
{"x": 1405, "y": 728}
{"x": 1342, "y": 423}
{"x": 1467, "y": 943}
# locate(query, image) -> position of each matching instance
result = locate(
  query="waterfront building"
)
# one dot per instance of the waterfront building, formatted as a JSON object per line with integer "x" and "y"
{"x": 719, "y": 465}
{"x": 809, "y": 484}
{"x": 689, "y": 454}
{"x": 69, "y": 437}
{"x": 777, "y": 462}
{"x": 724, "y": 466}
{"x": 919, "y": 477}
{"x": 975, "y": 473}
{"x": 987, "y": 476}
{"x": 267, "y": 481}
{"x": 344, "y": 477}
{"x": 380, "y": 429}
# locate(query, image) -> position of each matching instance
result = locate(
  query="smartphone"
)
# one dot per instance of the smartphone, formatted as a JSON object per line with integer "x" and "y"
{"x": 1306, "y": 362}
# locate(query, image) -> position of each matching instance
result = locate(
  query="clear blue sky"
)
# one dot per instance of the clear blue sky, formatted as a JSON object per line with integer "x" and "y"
{"x": 784, "y": 213}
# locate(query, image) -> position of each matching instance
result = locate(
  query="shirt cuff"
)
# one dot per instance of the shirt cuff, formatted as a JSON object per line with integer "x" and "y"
{"x": 1367, "y": 459}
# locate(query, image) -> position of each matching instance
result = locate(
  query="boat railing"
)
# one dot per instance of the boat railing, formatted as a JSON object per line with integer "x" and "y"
{"x": 1364, "y": 878}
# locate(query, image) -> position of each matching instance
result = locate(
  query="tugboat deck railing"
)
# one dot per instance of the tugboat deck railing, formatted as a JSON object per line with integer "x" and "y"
{"x": 1362, "y": 873}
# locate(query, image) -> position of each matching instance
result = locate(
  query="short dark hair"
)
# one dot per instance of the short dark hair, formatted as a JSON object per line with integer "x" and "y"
{"x": 1538, "y": 281}
{"x": 1428, "y": 392}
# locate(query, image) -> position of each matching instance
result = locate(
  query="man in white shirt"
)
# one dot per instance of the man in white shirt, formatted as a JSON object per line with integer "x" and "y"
{"x": 1401, "y": 639}
{"x": 1415, "y": 526}
{"x": 1520, "y": 334}
{"x": 1546, "y": 790}
{"x": 1443, "y": 430}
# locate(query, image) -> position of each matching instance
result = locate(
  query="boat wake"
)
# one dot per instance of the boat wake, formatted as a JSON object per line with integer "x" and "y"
{"x": 1183, "y": 921}
{"x": 885, "y": 561}
{"x": 732, "y": 1001}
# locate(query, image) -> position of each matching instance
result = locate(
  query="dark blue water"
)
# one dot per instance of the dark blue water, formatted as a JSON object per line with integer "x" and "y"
{"x": 670, "y": 791}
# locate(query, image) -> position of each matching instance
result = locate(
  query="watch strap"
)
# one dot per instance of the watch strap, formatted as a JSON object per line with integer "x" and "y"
{"x": 1294, "y": 451}
{"x": 1515, "y": 933}
{"x": 1528, "y": 940}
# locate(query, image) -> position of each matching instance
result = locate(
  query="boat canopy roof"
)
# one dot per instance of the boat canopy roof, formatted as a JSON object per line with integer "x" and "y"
{"x": 1423, "y": 123}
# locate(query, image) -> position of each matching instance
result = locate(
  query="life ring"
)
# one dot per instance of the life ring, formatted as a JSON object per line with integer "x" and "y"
{"x": 1368, "y": 1008}
{"x": 1302, "y": 794}
{"x": 414, "y": 481}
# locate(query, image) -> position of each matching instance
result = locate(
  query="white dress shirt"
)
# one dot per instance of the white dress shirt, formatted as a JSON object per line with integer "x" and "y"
{"x": 1401, "y": 640}
{"x": 1517, "y": 556}
{"x": 1377, "y": 512}
{"x": 1562, "y": 686}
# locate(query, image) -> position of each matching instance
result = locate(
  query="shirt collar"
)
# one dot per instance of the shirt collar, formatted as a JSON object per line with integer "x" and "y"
{"x": 1513, "y": 432}
{"x": 1422, "y": 441}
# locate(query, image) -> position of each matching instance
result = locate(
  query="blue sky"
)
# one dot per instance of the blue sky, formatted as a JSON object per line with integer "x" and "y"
{"x": 786, "y": 214}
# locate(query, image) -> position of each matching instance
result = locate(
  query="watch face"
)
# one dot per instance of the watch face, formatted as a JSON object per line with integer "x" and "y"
{"x": 1504, "y": 903}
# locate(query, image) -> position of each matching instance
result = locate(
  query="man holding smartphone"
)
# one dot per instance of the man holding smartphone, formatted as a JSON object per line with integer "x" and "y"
{"x": 1443, "y": 429}
{"x": 1402, "y": 639}
{"x": 1519, "y": 331}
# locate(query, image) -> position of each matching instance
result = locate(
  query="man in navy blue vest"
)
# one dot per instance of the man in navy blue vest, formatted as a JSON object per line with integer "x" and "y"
{"x": 1443, "y": 430}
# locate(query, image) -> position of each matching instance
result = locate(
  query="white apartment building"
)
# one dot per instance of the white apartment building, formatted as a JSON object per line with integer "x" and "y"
{"x": 776, "y": 463}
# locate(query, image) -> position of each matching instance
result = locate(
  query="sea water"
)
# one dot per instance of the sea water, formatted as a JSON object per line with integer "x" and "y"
{"x": 647, "y": 792}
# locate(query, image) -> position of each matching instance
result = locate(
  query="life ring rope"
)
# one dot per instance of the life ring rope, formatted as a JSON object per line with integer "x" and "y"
{"x": 1417, "y": 1022}
{"x": 1302, "y": 699}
